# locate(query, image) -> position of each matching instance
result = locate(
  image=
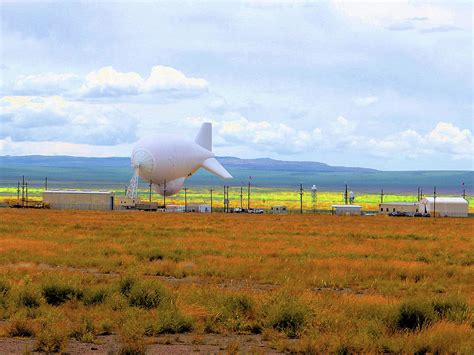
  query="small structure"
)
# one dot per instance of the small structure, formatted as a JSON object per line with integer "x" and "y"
{"x": 194, "y": 207}
{"x": 128, "y": 202}
{"x": 279, "y": 209}
{"x": 174, "y": 208}
{"x": 408, "y": 207}
{"x": 444, "y": 206}
{"x": 79, "y": 200}
{"x": 346, "y": 210}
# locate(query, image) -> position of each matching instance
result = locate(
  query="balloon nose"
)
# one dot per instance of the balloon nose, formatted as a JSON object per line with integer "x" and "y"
{"x": 143, "y": 161}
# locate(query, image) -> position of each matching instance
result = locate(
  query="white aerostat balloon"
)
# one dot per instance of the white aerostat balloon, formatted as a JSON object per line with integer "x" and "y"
{"x": 168, "y": 160}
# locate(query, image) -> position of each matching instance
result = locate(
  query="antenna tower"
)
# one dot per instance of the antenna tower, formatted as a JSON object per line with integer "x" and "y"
{"x": 132, "y": 189}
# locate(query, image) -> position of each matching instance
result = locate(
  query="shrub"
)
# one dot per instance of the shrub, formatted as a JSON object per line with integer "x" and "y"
{"x": 21, "y": 328}
{"x": 133, "y": 347}
{"x": 126, "y": 285}
{"x": 29, "y": 298}
{"x": 171, "y": 321}
{"x": 287, "y": 315}
{"x": 453, "y": 308}
{"x": 148, "y": 294}
{"x": 57, "y": 293}
{"x": 85, "y": 331}
{"x": 50, "y": 340}
{"x": 4, "y": 288}
{"x": 414, "y": 315}
{"x": 106, "y": 327}
{"x": 238, "y": 314}
{"x": 95, "y": 297}
{"x": 239, "y": 304}
{"x": 153, "y": 254}
{"x": 132, "y": 335}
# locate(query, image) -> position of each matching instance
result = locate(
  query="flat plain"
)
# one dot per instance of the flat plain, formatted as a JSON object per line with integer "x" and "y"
{"x": 168, "y": 282}
{"x": 261, "y": 197}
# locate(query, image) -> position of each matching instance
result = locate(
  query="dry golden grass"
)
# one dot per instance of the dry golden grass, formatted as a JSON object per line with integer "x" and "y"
{"x": 334, "y": 283}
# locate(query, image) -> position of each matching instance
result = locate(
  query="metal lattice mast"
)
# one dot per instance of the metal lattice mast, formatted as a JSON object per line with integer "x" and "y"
{"x": 132, "y": 189}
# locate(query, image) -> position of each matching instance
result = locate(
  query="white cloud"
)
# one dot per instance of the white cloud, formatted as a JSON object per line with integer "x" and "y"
{"x": 107, "y": 82}
{"x": 365, "y": 101}
{"x": 446, "y": 136}
{"x": 167, "y": 78}
{"x": 340, "y": 135}
{"x": 46, "y": 84}
{"x": 265, "y": 136}
{"x": 397, "y": 15}
{"x": 30, "y": 118}
{"x": 10, "y": 147}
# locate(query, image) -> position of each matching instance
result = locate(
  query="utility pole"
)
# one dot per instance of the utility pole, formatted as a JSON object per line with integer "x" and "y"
{"x": 149, "y": 196}
{"x": 23, "y": 191}
{"x": 345, "y": 195}
{"x": 18, "y": 192}
{"x": 185, "y": 199}
{"x": 164, "y": 195}
{"x": 381, "y": 196}
{"x": 421, "y": 193}
{"x": 301, "y": 198}
{"x": 46, "y": 183}
{"x": 418, "y": 194}
{"x": 463, "y": 191}
{"x": 434, "y": 202}
{"x": 248, "y": 195}
{"x": 241, "y": 195}
{"x": 211, "y": 190}
{"x": 26, "y": 194}
{"x": 226, "y": 199}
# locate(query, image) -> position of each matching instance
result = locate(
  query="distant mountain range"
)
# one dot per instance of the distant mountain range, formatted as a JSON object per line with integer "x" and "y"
{"x": 229, "y": 162}
{"x": 281, "y": 165}
{"x": 83, "y": 172}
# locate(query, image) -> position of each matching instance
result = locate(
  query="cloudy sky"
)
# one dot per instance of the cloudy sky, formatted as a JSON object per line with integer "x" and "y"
{"x": 382, "y": 85}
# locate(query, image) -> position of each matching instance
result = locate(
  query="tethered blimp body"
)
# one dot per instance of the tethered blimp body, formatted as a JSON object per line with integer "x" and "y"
{"x": 166, "y": 161}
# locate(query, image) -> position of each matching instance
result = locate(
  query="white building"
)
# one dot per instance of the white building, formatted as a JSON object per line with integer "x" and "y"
{"x": 174, "y": 208}
{"x": 194, "y": 207}
{"x": 279, "y": 209}
{"x": 408, "y": 207}
{"x": 444, "y": 206}
{"x": 346, "y": 210}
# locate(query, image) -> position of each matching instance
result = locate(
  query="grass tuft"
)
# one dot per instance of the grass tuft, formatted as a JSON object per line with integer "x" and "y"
{"x": 50, "y": 340}
{"x": 288, "y": 315}
{"x": 4, "y": 288}
{"x": 126, "y": 285}
{"x": 21, "y": 327}
{"x": 453, "y": 308}
{"x": 148, "y": 294}
{"x": 170, "y": 320}
{"x": 29, "y": 298}
{"x": 414, "y": 315}
{"x": 95, "y": 297}
{"x": 58, "y": 292}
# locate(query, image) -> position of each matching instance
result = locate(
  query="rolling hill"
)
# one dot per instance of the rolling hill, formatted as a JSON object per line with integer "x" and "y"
{"x": 82, "y": 172}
